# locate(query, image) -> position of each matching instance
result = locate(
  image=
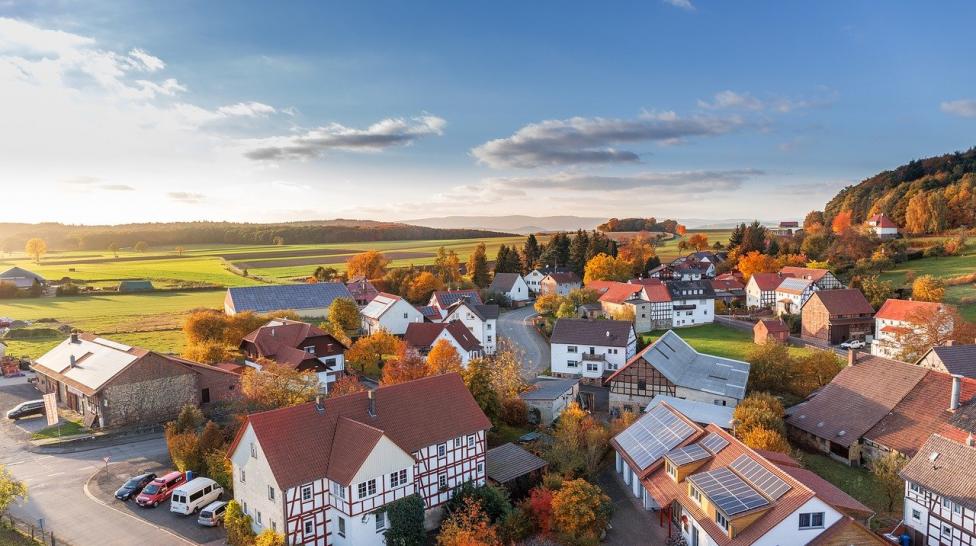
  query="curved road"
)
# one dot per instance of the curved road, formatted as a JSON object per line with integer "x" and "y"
{"x": 516, "y": 326}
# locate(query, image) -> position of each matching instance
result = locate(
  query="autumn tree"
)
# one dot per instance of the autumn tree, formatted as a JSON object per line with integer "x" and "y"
{"x": 468, "y": 526}
{"x": 579, "y": 443}
{"x": 876, "y": 290}
{"x": 756, "y": 262}
{"x": 812, "y": 219}
{"x": 540, "y": 508}
{"x": 370, "y": 264}
{"x": 238, "y": 525}
{"x": 269, "y": 537}
{"x": 11, "y": 490}
{"x": 348, "y": 384}
{"x": 140, "y": 246}
{"x": 448, "y": 266}
{"x": 813, "y": 371}
{"x": 407, "y": 366}
{"x": 443, "y": 358}
{"x": 698, "y": 241}
{"x": 841, "y": 222}
{"x": 326, "y": 274}
{"x": 758, "y": 410}
{"x": 547, "y": 304}
{"x": 345, "y": 313}
{"x": 603, "y": 267}
{"x": 815, "y": 245}
{"x": 928, "y": 288}
{"x": 639, "y": 252}
{"x": 422, "y": 286}
{"x": 506, "y": 370}
{"x": 368, "y": 352}
{"x": 35, "y": 248}
{"x": 180, "y": 250}
{"x": 276, "y": 386}
{"x": 581, "y": 510}
{"x": 478, "y": 266}
{"x": 886, "y": 469}
{"x": 566, "y": 310}
{"x": 681, "y": 230}
{"x": 933, "y": 327}
{"x": 478, "y": 379}
{"x": 761, "y": 437}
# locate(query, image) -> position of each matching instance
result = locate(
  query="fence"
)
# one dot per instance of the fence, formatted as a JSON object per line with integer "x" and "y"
{"x": 31, "y": 530}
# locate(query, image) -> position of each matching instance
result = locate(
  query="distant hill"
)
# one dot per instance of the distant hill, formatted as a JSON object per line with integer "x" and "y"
{"x": 942, "y": 189}
{"x": 513, "y": 224}
{"x": 61, "y": 236}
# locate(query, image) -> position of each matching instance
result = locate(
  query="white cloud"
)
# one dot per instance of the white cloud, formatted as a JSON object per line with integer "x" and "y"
{"x": 246, "y": 109}
{"x": 683, "y": 4}
{"x": 580, "y": 140}
{"x": 965, "y": 108}
{"x": 731, "y": 100}
{"x": 146, "y": 62}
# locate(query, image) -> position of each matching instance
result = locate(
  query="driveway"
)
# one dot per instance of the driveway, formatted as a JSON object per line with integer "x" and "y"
{"x": 516, "y": 326}
{"x": 631, "y": 524}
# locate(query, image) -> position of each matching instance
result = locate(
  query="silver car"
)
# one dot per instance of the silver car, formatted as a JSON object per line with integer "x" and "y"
{"x": 212, "y": 514}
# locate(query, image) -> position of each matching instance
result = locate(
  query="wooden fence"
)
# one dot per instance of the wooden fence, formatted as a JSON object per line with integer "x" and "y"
{"x": 31, "y": 530}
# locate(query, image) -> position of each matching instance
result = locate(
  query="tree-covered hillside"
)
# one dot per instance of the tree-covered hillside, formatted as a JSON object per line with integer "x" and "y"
{"x": 924, "y": 196}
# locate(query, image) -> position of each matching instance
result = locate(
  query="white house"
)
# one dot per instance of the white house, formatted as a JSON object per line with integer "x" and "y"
{"x": 389, "y": 312}
{"x": 559, "y": 283}
{"x": 591, "y": 348}
{"x": 898, "y": 319}
{"x": 533, "y": 279}
{"x": 480, "y": 319}
{"x": 441, "y": 300}
{"x": 512, "y": 285}
{"x": 761, "y": 290}
{"x": 882, "y": 226}
{"x": 940, "y": 492}
{"x": 792, "y": 293}
{"x": 421, "y": 336}
{"x": 692, "y": 303}
{"x": 321, "y": 473}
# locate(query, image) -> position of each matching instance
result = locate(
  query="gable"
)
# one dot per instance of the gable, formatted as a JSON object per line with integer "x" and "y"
{"x": 385, "y": 458}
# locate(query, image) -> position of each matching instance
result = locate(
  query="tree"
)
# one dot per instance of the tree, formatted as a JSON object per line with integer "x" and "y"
{"x": 761, "y": 437}
{"x": 370, "y": 264}
{"x": 443, "y": 358}
{"x": 876, "y": 290}
{"x": 698, "y": 241}
{"x": 208, "y": 352}
{"x": 478, "y": 378}
{"x": 369, "y": 352}
{"x": 813, "y": 371}
{"x": 506, "y": 370}
{"x": 406, "y": 517}
{"x": 928, "y": 288}
{"x": 815, "y": 245}
{"x": 141, "y": 246}
{"x": 530, "y": 253}
{"x": 219, "y": 469}
{"x": 238, "y": 525}
{"x": 184, "y": 450}
{"x": 180, "y": 250}
{"x": 579, "y": 443}
{"x": 603, "y": 267}
{"x": 407, "y": 366}
{"x": 547, "y": 304}
{"x": 841, "y": 222}
{"x": 933, "y": 327}
{"x": 478, "y": 266}
{"x": 276, "y": 386}
{"x": 325, "y": 274}
{"x": 190, "y": 419}
{"x": 344, "y": 313}
{"x": 758, "y": 410}
{"x": 349, "y": 384}
{"x": 507, "y": 260}
{"x": 566, "y": 310}
{"x": 35, "y": 248}
{"x": 11, "y": 490}
{"x": 580, "y": 510}
{"x": 540, "y": 508}
{"x": 268, "y": 537}
{"x": 639, "y": 252}
{"x": 448, "y": 266}
{"x": 756, "y": 262}
{"x": 681, "y": 230}
{"x": 886, "y": 469}
{"x": 492, "y": 499}
{"x": 468, "y": 526}
{"x": 423, "y": 286}
{"x": 813, "y": 218}
{"x": 114, "y": 249}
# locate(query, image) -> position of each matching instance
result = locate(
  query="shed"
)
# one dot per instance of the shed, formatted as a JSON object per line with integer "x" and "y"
{"x": 515, "y": 468}
{"x": 126, "y": 287}
{"x": 770, "y": 330}
{"x": 550, "y": 397}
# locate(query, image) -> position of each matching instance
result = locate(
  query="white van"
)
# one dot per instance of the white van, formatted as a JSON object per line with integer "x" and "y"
{"x": 193, "y": 495}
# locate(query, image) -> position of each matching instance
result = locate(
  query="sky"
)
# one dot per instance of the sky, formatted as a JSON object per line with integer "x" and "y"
{"x": 116, "y": 112}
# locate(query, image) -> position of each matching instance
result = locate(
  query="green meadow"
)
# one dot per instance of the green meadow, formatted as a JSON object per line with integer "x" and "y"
{"x": 944, "y": 267}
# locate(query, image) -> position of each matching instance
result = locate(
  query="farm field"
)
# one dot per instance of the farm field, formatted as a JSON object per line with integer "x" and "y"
{"x": 946, "y": 267}
{"x": 718, "y": 340}
{"x": 668, "y": 250}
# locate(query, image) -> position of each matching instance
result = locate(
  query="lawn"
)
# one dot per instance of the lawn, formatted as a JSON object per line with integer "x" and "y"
{"x": 668, "y": 250}
{"x": 9, "y": 537}
{"x": 944, "y": 267}
{"x": 856, "y": 482}
{"x": 715, "y": 339}
{"x": 68, "y": 428}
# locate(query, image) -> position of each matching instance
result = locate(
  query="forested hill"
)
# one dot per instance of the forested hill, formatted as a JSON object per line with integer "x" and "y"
{"x": 938, "y": 191}
{"x": 61, "y": 236}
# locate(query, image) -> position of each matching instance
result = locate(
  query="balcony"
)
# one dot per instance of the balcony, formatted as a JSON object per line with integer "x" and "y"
{"x": 587, "y": 357}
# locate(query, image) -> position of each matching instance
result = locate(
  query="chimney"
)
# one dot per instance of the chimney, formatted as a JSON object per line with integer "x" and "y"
{"x": 970, "y": 441}
{"x": 272, "y": 332}
{"x": 319, "y": 407}
{"x": 372, "y": 404}
{"x": 950, "y": 343}
{"x": 74, "y": 337}
{"x": 851, "y": 357}
{"x": 956, "y": 387}
{"x": 71, "y": 361}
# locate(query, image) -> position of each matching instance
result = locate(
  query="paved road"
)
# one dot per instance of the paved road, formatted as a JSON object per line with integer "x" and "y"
{"x": 56, "y": 483}
{"x": 631, "y": 524}
{"x": 517, "y": 327}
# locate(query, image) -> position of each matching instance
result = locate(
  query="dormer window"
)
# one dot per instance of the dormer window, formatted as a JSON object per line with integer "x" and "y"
{"x": 671, "y": 470}
{"x": 695, "y": 494}
{"x": 723, "y": 522}
{"x": 310, "y": 349}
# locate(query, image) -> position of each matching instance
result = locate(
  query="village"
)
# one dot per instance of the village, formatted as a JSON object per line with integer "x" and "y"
{"x": 524, "y": 401}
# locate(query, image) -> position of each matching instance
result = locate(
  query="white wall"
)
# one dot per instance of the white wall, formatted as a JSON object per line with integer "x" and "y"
{"x": 254, "y": 489}
{"x": 532, "y": 279}
{"x": 703, "y": 313}
{"x": 706, "y": 397}
{"x": 519, "y": 291}
{"x": 788, "y": 531}
{"x": 561, "y": 356}
{"x": 486, "y": 332}
{"x": 395, "y": 319}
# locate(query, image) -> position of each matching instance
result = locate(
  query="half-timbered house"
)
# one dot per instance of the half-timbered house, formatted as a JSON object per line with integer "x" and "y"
{"x": 940, "y": 492}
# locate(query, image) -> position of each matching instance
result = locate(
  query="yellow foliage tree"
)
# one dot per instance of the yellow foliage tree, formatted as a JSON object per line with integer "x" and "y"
{"x": 345, "y": 313}
{"x": 269, "y": 538}
{"x": 443, "y": 358}
{"x": 422, "y": 286}
{"x": 547, "y": 304}
{"x": 603, "y": 267}
{"x": 468, "y": 526}
{"x": 581, "y": 510}
{"x": 763, "y": 438}
{"x": 756, "y": 262}
{"x": 276, "y": 386}
{"x": 35, "y": 248}
{"x": 370, "y": 264}
{"x": 928, "y": 288}
{"x": 369, "y": 351}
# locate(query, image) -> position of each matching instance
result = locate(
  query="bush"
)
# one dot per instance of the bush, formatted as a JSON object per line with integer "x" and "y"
{"x": 515, "y": 413}
{"x": 238, "y": 525}
{"x": 406, "y": 517}
{"x": 493, "y": 500}
{"x": 935, "y": 251}
{"x": 516, "y": 526}
{"x": 68, "y": 289}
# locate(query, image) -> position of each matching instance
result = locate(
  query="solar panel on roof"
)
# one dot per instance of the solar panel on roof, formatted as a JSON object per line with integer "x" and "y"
{"x": 760, "y": 477}
{"x": 654, "y": 434}
{"x": 727, "y": 491}
{"x": 714, "y": 443}
{"x": 688, "y": 454}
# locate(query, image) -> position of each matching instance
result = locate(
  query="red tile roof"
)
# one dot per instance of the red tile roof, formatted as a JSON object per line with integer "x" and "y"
{"x": 903, "y": 310}
{"x": 281, "y": 339}
{"x": 565, "y": 277}
{"x": 767, "y": 282}
{"x": 843, "y": 301}
{"x": 840, "y": 534}
{"x": 811, "y": 273}
{"x": 774, "y": 325}
{"x": 423, "y": 334}
{"x": 882, "y": 220}
{"x": 727, "y": 284}
{"x": 619, "y": 292}
{"x": 302, "y": 444}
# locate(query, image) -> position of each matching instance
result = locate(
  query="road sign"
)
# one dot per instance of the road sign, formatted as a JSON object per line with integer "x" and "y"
{"x": 51, "y": 408}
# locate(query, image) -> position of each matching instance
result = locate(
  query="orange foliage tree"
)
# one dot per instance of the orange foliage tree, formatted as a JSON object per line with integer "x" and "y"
{"x": 764, "y": 438}
{"x": 370, "y": 264}
{"x": 468, "y": 526}
{"x": 422, "y": 286}
{"x": 756, "y": 262}
{"x": 841, "y": 222}
{"x": 369, "y": 351}
{"x": 443, "y": 358}
{"x": 581, "y": 510}
{"x": 407, "y": 366}
{"x": 698, "y": 241}
{"x": 349, "y": 384}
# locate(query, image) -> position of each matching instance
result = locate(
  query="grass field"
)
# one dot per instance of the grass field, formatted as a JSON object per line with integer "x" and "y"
{"x": 715, "y": 339}
{"x": 943, "y": 267}
{"x": 856, "y": 482}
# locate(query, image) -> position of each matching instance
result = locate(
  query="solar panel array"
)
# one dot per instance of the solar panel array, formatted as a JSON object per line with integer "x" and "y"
{"x": 727, "y": 491}
{"x": 760, "y": 477}
{"x": 654, "y": 434}
{"x": 714, "y": 443}
{"x": 688, "y": 454}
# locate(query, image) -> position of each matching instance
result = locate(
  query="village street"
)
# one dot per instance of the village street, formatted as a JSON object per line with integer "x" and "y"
{"x": 516, "y": 326}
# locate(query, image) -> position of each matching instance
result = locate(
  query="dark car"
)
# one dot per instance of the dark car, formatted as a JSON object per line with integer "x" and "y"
{"x": 133, "y": 486}
{"x": 24, "y": 409}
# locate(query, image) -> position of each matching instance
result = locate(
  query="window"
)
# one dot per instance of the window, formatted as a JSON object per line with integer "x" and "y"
{"x": 641, "y": 385}
{"x": 404, "y": 315}
{"x": 242, "y": 475}
{"x": 271, "y": 493}
{"x": 592, "y": 367}
{"x": 257, "y": 514}
{"x": 442, "y": 450}
{"x": 671, "y": 470}
{"x": 244, "y": 506}
{"x": 310, "y": 349}
{"x": 946, "y": 530}
{"x": 956, "y": 508}
{"x": 306, "y": 492}
{"x": 721, "y": 520}
{"x": 489, "y": 339}
{"x": 572, "y": 364}
{"x": 489, "y": 327}
{"x": 309, "y": 526}
{"x": 572, "y": 349}
{"x": 338, "y": 490}
{"x": 916, "y": 515}
{"x": 380, "y": 521}
{"x": 254, "y": 451}
{"x": 274, "y": 526}
{"x": 457, "y": 442}
{"x": 946, "y": 503}
{"x": 695, "y": 494}
{"x": 442, "y": 481}
{"x": 812, "y": 520}
{"x": 398, "y": 478}
{"x": 371, "y": 487}
{"x": 471, "y": 440}
{"x": 342, "y": 526}
{"x": 481, "y": 467}
{"x": 366, "y": 489}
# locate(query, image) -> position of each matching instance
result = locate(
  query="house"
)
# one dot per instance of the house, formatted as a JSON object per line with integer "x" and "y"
{"x": 480, "y": 319}
{"x": 114, "y": 385}
{"x": 761, "y": 290}
{"x": 661, "y": 308}
{"x": 952, "y": 359}
{"x": 22, "y": 278}
{"x": 770, "y": 330}
{"x": 714, "y": 488}
{"x": 692, "y": 303}
{"x": 129, "y": 287}
{"x": 322, "y": 473}
{"x": 512, "y": 285}
{"x": 898, "y": 319}
{"x": 559, "y": 283}
{"x": 421, "y": 337}
{"x": 671, "y": 367}
{"x": 729, "y": 289}
{"x": 620, "y": 300}
{"x": 533, "y": 279}
{"x": 442, "y": 299}
{"x": 835, "y": 316}
{"x": 883, "y": 226}
{"x": 361, "y": 290}
{"x": 389, "y": 312}
{"x": 215, "y": 382}
{"x": 702, "y": 413}
{"x": 940, "y": 492}
{"x": 822, "y": 278}
{"x": 709, "y": 256}
{"x": 792, "y": 293}
{"x": 591, "y": 348}
{"x": 686, "y": 268}
{"x": 549, "y": 397}
{"x": 310, "y": 300}
{"x": 590, "y": 311}
{"x": 296, "y": 345}
{"x": 876, "y": 405}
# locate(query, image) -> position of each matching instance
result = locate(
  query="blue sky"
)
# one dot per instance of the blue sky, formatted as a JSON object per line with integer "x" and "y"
{"x": 397, "y": 110}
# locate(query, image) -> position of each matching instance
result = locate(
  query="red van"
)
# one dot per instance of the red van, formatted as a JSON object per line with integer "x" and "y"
{"x": 160, "y": 489}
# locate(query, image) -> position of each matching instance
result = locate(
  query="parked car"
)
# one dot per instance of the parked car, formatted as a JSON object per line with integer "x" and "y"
{"x": 133, "y": 486}
{"x": 852, "y": 344}
{"x": 194, "y": 495}
{"x": 25, "y": 409}
{"x": 212, "y": 514}
{"x": 160, "y": 489}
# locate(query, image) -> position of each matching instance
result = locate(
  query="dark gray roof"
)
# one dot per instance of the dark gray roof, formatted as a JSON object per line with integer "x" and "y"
{"x": 681, "y": 290}
{"x": 503, "y": 282}
{"x": 264, "y": 299}
{"x": 509, "y": 461}
{"x": 958, "y": 359}
{"x": 549, "y": 389}
{"x": 486, "y": 310}
{"x": 19, "y": 272}
{"x": 606, "y": 333}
